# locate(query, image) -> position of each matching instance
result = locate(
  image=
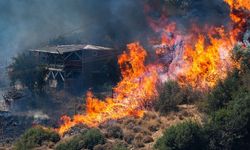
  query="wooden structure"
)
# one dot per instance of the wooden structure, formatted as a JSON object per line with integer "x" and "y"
{"x": 65, "y": 63}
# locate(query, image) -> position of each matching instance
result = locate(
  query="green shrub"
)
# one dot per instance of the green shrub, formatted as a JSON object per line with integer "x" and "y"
{"x": 230, "y": 126}
{"x": 93, "y": 137}
{"x": 183, "y": 136}
{"x": 35, "y": 137}
{"x": 223, "y": 92}
{"x": 171, "y": 95}
{"x": 76, "y": 143}
{"x": 242, "y": 55}
{"x": 86, "y": 140}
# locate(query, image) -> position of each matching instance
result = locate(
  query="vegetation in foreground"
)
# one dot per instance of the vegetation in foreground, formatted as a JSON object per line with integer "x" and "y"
{"x": 86, "y": 140}
{"x": 36, "y": 137}
{"x": 186, "y": 135}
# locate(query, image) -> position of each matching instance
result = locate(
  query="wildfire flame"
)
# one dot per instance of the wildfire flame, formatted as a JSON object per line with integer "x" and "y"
{"x": 137, "y": 89}
{"x": 199, "y": 57}
{"x": 240, "y": 13}
{"x": 207, "y": 59}
{"x": 238, "y": 4}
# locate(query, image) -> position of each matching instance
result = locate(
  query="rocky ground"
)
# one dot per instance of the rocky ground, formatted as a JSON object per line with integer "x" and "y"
{"x": 12, "y": 127}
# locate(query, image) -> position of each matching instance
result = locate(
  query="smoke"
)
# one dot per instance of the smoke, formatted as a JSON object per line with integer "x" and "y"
{"x": 188, "y": 12}
{"x": 31, "y": 23}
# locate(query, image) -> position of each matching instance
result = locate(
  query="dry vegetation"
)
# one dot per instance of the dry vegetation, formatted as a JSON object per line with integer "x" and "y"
{"x": 138, "y": 133}
{"x": 131, "y": 132}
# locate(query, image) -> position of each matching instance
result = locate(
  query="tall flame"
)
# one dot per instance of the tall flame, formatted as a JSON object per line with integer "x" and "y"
{"x": 207, "y": 59}
{"x": 198, "y": 57}
{"x": 136, "y": 89}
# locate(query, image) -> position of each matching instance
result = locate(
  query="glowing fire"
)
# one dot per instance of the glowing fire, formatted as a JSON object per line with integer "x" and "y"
{"x": 207, "y": 54}
{"x": 238, "y": 4}
{"x": 206, "y": 63}
{"x": 137, "y": 89}
{"x": 240, "y": 13}
{"x": 198, "y": 57}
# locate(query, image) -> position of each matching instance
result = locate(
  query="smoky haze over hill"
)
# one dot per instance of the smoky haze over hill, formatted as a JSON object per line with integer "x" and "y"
{"x": 32, "y": 22}
{"x": 29, "y": 23}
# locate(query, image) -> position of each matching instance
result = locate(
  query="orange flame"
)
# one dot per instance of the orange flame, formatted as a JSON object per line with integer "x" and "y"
{"x": 240, "y": 13}
{"x": 137, "y": 89}
{"x": 238, "y": 4}
{"x": 199, "y": 57}
{"x": 207, "y": 60}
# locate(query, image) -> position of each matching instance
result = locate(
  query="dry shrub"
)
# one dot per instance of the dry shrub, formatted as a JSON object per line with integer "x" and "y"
{"x": 149, "y": 115}
{"x": 137, "y": 129}
{"x": 115, "y": 131}
{"x": 148, "y": 139}
{"x": 139, "y": 144}
{"x": 129, "y": 120}
{"x": 129, "y": 137}
{"x": 153, "y": 125}
{"x": 99, "y": 147}
{"x": 116, "y": 145}
{"x": 139, "y": 137}
{"x": 145, "y": 131}
{"x": 130, "y": 126}
{"x": 138, "y": 141}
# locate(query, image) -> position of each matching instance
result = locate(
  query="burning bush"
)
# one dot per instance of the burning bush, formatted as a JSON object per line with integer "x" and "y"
{"x": 186, "y": 136}
{"x": 86, "y": 140}
{"x": 35, "y": 137}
